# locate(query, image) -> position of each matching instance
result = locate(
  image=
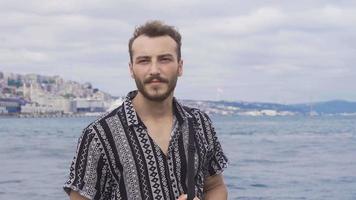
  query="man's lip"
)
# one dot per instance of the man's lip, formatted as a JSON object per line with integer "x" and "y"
{"x": 155, "y": 81}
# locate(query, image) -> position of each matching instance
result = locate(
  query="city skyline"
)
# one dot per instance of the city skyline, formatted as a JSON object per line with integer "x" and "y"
{"x": 239, "y": 51}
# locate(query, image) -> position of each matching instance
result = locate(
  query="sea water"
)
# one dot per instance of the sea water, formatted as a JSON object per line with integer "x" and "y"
{"x": 269, "y": 157}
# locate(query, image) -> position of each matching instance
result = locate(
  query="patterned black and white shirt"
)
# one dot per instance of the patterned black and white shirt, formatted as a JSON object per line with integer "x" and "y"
{"x": 117, "y": 159}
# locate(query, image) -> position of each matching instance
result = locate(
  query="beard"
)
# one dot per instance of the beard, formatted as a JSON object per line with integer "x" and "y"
{"x": 156, "y": 94}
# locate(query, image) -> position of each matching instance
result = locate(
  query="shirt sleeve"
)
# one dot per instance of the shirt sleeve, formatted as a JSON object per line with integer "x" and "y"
{"x": 217, "y": 161}
{"x": 88, "y": 173}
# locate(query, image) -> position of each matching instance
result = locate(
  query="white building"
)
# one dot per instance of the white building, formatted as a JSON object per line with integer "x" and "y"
{"x": 90, "y": 105}
{"x": 3, "y": 110}
{"x": 66, "y": 105}
{"x": 36, "y": 108}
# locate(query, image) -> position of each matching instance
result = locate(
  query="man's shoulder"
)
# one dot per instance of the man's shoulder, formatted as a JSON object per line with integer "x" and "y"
{"x": 103, "y": 117}
{"x": 195, "y": 112}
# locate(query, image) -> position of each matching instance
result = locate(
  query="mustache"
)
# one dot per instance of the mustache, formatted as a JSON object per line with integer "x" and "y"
{"x": 150, "y": 79}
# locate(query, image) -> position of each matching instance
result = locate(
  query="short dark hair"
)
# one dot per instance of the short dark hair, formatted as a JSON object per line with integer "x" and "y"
{"x": 157, "y": 28}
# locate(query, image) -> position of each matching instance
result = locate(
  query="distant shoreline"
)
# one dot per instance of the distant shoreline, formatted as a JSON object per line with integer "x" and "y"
{"x": 80, "y": 115}
{"x": 48, "y": 115}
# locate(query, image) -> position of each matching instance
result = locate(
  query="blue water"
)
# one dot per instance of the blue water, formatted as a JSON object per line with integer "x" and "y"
{"x": 270, "y": 157}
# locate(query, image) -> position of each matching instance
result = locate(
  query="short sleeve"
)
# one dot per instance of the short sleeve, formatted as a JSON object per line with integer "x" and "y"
{"x": 216, "y": 161}
{"x": 88, "y": 173}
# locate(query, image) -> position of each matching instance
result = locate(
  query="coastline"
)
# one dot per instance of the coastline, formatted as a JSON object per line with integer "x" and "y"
{"x": 48, "y": 115}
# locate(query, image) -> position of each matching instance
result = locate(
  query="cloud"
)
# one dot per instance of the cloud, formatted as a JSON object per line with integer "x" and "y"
{"x": 255, "y": 50}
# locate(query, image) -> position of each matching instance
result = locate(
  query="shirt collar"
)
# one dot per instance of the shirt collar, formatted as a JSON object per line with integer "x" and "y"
{"x": 131, "y": 115}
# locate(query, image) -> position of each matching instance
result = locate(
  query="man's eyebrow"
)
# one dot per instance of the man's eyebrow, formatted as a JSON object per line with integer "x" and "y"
{"x": 142, "y": 57}
{"x": 166, "y": 55}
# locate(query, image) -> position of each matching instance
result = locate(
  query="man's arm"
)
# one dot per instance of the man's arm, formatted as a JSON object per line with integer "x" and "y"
{"x": 215, "y": 188}
{"x": 74, "y": 195}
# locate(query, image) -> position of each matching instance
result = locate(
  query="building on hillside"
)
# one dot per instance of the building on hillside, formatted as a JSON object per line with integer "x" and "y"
{"x": 63, "y": 104}
{"x": 35, "y": 108}
{"x": 11, "y": 105}
{"x": 3, "y": 110}
{"x": 90, "y": 105}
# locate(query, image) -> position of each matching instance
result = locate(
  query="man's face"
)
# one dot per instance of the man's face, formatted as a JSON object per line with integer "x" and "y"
{"x": 155, "y": 67}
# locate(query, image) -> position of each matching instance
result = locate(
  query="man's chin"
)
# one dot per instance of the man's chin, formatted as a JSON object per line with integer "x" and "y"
{"x": 157, "y": 96}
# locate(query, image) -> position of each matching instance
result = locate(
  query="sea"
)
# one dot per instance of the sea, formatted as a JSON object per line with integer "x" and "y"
{"x": 270, "y": 158}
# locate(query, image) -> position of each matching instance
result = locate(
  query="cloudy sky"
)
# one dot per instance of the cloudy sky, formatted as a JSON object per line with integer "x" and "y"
{"x": 271, "y": 51}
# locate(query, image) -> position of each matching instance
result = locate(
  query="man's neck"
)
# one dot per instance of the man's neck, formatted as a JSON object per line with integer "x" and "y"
{"x": 151, "y": 110}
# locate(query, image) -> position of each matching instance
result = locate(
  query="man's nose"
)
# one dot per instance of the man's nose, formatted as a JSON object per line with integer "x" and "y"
{"x": 154, "y": 68}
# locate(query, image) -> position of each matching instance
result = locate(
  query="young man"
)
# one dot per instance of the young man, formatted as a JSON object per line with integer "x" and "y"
{"x": 140, "y": 149}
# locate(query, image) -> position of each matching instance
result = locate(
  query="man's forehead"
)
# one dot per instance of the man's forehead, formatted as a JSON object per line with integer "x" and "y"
{"x": 149, "y": 46}
{"x": 145, "y": 38}
{"x": 137, "y": 56}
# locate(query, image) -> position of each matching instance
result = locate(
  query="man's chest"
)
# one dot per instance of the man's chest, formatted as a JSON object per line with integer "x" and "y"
{"x": 160, "y": 134}
{"x": 138, "y": 159}
{"x": 142, "y": 165}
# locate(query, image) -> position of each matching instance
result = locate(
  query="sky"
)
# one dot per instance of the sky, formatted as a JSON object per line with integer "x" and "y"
{"x": 259, "y": 51}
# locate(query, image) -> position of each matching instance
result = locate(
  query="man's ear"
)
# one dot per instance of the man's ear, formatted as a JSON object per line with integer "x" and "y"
{"x": 180, "y": 67}
{"x": 131, "y": 70}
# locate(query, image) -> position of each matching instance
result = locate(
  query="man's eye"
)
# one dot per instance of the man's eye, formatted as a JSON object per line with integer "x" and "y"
{"x": 166, "y": 59}
{"x": 142, "y": 61}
